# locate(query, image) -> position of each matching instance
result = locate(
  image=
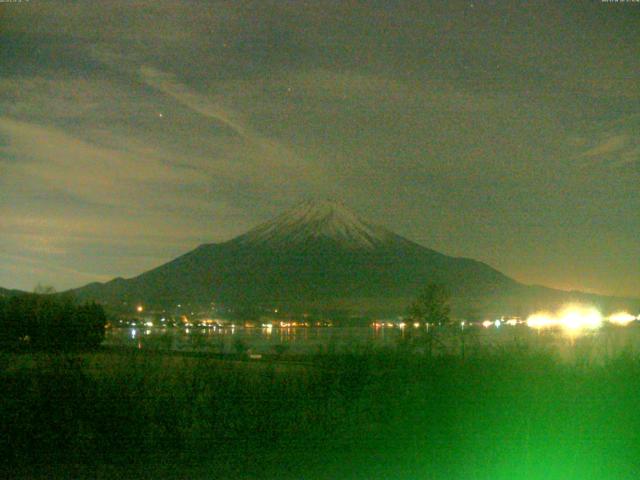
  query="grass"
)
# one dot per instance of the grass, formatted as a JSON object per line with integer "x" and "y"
{"x": 499, "y": 414}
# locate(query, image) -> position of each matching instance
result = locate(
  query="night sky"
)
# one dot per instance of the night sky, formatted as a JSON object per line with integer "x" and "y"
{"x": 132, "y": 131}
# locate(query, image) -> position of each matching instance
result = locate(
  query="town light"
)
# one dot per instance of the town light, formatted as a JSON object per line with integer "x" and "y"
{"x": 576, "y": 317}
{"x": 572, "y": 318}
{"x": 541, "y": 320}
{"x": 621, "y": 318}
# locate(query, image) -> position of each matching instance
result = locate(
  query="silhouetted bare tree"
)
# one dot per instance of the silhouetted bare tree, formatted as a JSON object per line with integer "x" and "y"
{"x": 432, "y": 305}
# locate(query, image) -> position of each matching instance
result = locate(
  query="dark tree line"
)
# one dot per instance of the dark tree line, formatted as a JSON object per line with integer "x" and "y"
{"x": 50, "y": 322}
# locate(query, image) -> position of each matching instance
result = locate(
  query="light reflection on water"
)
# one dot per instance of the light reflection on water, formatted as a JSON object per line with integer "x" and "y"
{"x": 259, "y": 340}
{"x": 306, "y": 340}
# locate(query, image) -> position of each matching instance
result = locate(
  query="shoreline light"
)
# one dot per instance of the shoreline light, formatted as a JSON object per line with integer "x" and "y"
{"x": 577, "y": 317}
{"x": 542, "y": 320}
{"x": 572, "y": 318}
{"x": 621, "y": 318}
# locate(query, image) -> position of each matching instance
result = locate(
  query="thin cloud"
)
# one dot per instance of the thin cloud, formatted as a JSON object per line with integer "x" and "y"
{"x": 167, "y": 83}
{"x": 609, "y": 146}
{"x": 57, "y": 160}
{"x": 269, "y": 151}
{"x": 43, "y": 271}
{"x": 613, "y": 150}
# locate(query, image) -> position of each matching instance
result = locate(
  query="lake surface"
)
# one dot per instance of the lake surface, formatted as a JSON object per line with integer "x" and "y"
{"x": 598, "y": 344}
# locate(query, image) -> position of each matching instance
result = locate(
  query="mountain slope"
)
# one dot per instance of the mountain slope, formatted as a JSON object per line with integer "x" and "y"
{"x": 4, "y": 292}
{"x": 316, "y": 255}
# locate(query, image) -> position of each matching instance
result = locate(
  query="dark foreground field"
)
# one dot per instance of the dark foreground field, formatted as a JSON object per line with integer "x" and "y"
{"x": 373, "y": 415}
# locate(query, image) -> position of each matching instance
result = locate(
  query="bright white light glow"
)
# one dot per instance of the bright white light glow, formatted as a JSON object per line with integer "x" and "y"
{"x": 621, "y": 318}
{"x": 572, "y": 318}
{"x": 487, "y": 323}
{"x": 542, "y": 320}
{"x": 576, "y": 317}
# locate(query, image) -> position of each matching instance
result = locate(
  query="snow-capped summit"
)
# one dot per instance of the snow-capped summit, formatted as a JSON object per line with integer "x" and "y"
{"x": 311, "y": 220}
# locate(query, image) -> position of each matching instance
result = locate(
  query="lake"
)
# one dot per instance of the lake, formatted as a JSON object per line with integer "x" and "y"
{"x": 594, "y": 344}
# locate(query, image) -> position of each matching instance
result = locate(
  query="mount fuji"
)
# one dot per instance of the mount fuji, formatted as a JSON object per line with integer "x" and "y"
{"x": 320, "y": 256}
